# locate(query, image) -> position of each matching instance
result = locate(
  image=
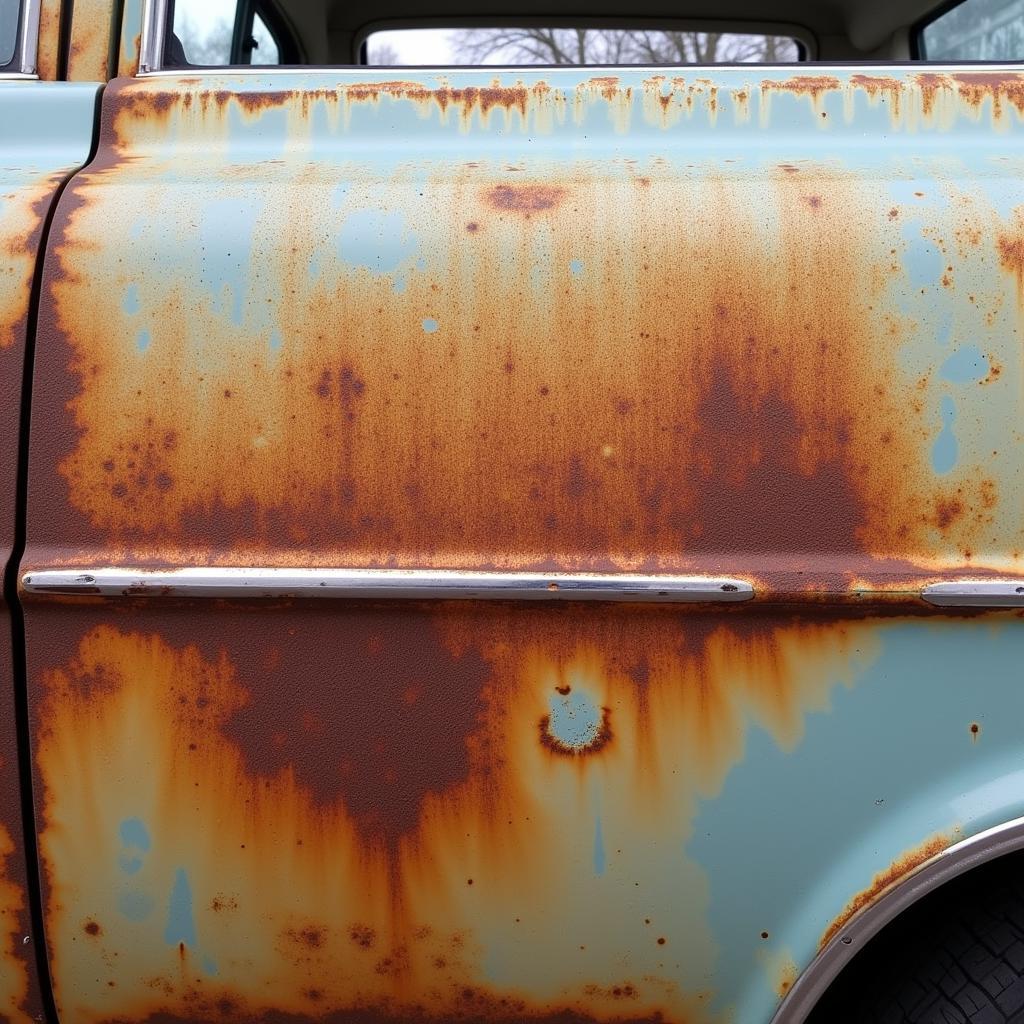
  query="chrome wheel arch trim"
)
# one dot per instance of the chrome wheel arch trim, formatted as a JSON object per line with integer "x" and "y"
{"x": 955, "y": 860}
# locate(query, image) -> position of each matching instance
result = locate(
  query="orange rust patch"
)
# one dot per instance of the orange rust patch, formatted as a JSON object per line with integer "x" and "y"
{"x": 525, "y": 199}
{"x": 884, "y": 880}
{"x": 880, "y": 87}
{"x": 91, "y": 41}
{"x": 814, "y": 86}
{"x": 975, "y": 88}
{"x": 370, "y": 874}
{"x": 787, "y": 975}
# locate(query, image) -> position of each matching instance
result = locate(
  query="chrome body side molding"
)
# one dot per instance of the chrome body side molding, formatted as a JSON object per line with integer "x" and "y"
{"x": 850, "y": 940}
{"x": 212, "y": 582}
{"x": 976, "y": 594}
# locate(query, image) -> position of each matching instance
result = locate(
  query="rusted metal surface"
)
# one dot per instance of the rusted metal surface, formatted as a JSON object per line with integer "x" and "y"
{"x": 763, "y": 327}
{"x": 47, "y": 54}
{"x": 34, "y": 164}
{"x": 601, "y": 327}
{"x": 94, "y": 35}
{"x": 131, "y": 38}
{"x": 900, "y": 868}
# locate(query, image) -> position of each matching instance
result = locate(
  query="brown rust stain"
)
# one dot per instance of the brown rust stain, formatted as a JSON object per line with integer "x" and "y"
{"x": 884, "y": 880}
{"x": 524, "y": 199}
{"x": 391, "y": 904}
{"x": 815, "y": 86}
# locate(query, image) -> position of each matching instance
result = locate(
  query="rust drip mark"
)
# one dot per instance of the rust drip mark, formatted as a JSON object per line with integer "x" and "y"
{"x": 788, "y": 973}
{"x": 814, "y": 86}
{"x": 975, "y": 88}
{"x": 607, "y": 85}
{"x": 975, "y": 731}
{"x": 525, "y": 199}
{"x": 880, "y": 88}
{"x": 931, "y": 85}
{"x": 885, "y": 880}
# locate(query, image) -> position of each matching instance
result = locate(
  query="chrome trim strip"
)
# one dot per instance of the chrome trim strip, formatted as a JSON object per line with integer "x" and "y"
{"x": 850, "y": 940}
{"x": 976, "y": 594}
{"x": 28, "y": 43}
{"x": 149, "y": 52}
{"x": 214, "y": 582}
{"x": 151, "y": 41}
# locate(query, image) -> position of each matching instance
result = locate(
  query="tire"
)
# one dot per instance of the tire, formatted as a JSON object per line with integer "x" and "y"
{"x": 957, "y": 957}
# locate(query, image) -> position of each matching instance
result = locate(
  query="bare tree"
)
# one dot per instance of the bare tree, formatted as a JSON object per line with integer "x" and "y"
{"x": 615, "y": 46}
{"x": 382, "y": 55}
{"x": 204, "y": 47}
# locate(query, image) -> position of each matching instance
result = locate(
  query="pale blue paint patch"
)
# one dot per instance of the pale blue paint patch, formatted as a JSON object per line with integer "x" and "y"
{"x": 430, "y": 326}
{"x": 134, "y": 833}
{"x": 340, "y": 193}
{"x": 131, "y": 303}
{"x": 909, "y": 190}
{"x": 276, "y": 341}
{"x": 181, "y": 926}
{"x": 922, "y": 259}
{"x": 599, "y": 857}
{"x": 375, "y": 239}
{"x": 135, "y": 905}
{"x": 399, "y": 286}
{"x": 225, "y": 243}
{"x": 129, "y": 865}
{"x": 210, "y": 965}
{"x": 143, "y": 340}
{"x": 965, "y": 366}
{"x": 944, "y": 327}
{"x": 421, "y": 264}
{"x": 576, "y": 266}
{"x": 946, "y": 451}
{"x": 575, "y": 720}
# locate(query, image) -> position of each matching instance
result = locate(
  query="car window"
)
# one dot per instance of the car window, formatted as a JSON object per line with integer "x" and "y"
{"x": 990, "y": 30}
{"x": 218, "y": 33}
{"x": 553, "y": 46}
{"x": 9, "y": 18}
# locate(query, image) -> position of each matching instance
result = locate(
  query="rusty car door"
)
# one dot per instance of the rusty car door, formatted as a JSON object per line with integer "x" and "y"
{"x": 46, "y": 132}
{"x": 518, "y": 545}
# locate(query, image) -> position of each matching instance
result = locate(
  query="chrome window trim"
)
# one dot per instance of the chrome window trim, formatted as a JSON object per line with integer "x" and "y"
{"x": 975, "y": 594}
{"x": 151, "y": 41}
{"x": 850, "y": 940}
{"x": 23, "y": 61}
{"x": 213, "y": 582}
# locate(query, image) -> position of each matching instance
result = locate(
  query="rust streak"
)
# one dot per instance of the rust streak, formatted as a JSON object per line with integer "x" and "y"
{"x": 885, "y": 880}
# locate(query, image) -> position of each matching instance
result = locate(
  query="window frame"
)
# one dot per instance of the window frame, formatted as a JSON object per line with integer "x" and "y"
{"x": 23, "y": 61}
{"x": 805, "y": 40}
{"x": 155, "y": 36}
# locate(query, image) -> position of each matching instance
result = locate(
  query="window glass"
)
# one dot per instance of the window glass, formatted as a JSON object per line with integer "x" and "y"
{"x": 990, "y": 30}
{"x": 523, "y": 45}
{"x": 203, "y": 31}
{"x": 8, "y": 30}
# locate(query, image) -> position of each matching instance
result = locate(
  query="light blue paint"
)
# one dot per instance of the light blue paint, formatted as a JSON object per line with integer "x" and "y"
{"x": 276, "y": 341}
{"x": 575, "y": 720}
{"x": 181, "y": 926}
{"x": 827, "y": 817}
{"x": 599, "y": 857}
{"x": 134, "y": 833}
{"x": 210, "y": 966}
{"x": 576, "y": 266}
{"x": 430, "y": 325}
{"x": 375, "y": 239}
{"x": 399, "y": 286}
{"x": 143, "y": 339}
{"x": 225, "y": 251}
{"x": 134, "y": 904}
{"x": 966, "y": 365}
{"x": 922, "y": 259}
{"x": 131, "y": 303}
{"x": 944, "y": 326}
{"x": 129, "y": 865}
{"x": 946, "y": 451}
